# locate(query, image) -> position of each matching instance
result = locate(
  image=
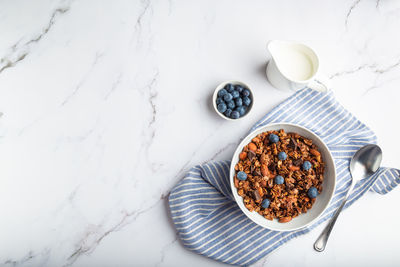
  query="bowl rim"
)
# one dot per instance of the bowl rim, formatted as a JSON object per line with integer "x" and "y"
{"x": 222, "y": 85}
{"x": 239, "y": 198}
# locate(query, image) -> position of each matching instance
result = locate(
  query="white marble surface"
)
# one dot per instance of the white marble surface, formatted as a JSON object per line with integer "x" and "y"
{"x": 106, "y": 104}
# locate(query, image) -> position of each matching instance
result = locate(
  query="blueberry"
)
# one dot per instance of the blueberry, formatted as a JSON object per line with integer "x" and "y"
{"x": 229, "y": 87}
{"x": 235, "y": 115}
{"x": 239, "y": 88}
{"x": 265, "y": 203}
{"x": 312, "y": 192}
{"x": 273, "y": 138}
{"x": 230, "y": 104}
{"x": 246, "y": 101}
{"x": 282, "y": 155}
{"x": 222, "y": 92}
{"x": 228, "y": 112}
{"x": 220, "y": 100}
{"x": 239, "y": 102}
{"x": 279, "y": 179}
{"x": 221, "y": 107}
{"x": 228, "y": 97}
{"x": 241, "y": 110}
{"x": 235, "y": 94}
{"x": 306, "y": 165}
{"x": 246, "y": 92}
{"x": 241, "y": 176}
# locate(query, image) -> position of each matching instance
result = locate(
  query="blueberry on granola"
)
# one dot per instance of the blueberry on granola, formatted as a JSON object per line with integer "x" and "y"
{"x": 265, "y": 203}
{"x": 241, "y": 175}
{"x": 306, "y": 165}
{"x": 279, "y": 179}
{"x": 273, "y": 138}
{"x": 282, "y": 155}
{"x": 312, "y": 192}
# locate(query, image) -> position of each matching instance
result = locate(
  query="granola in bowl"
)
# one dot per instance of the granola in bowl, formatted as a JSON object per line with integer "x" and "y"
{"x": 279, "y": 174}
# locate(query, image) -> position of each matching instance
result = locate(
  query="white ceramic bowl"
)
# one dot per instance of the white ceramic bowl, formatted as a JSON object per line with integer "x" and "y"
{"x": 215, "y": 96}
{"x": 328, "y": 185}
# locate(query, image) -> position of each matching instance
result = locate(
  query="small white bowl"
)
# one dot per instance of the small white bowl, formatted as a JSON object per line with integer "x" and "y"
{"x": 323, "y": 200}
{"x": 222, "y": 85}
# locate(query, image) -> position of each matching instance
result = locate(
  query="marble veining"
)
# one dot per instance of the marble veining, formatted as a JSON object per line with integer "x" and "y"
{"x": 374, "y": 68}
{"x": 19, "y": 51}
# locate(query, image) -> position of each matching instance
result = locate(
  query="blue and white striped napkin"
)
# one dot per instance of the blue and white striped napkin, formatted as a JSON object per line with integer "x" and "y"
{"x": 210, "y": 223}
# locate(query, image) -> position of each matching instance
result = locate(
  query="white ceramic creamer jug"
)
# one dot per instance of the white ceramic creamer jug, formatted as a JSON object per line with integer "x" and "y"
{"x": 294, "y": 66}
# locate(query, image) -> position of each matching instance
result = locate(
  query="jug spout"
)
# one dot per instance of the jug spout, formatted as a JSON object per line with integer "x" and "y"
{"x": 274, "y": 46}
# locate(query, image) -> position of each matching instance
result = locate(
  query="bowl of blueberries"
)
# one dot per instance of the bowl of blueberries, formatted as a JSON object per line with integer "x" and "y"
{"x": 232, "y": 100}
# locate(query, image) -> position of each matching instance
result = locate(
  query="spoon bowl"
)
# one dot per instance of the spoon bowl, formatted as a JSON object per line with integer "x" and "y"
{"x": 365, "y": 162}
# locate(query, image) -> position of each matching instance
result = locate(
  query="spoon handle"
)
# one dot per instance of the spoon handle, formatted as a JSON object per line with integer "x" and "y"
{"x": 321, "y": 241}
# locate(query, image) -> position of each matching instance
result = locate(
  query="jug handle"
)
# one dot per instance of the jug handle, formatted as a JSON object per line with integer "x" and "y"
{"x": 321, "y": 83}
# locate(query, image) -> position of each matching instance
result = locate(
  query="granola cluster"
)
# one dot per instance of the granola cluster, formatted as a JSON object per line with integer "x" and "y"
{"x": 260, "y": 163}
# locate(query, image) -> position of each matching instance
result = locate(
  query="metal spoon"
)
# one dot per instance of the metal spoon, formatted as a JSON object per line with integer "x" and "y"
{"x": 364, "y": 163}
